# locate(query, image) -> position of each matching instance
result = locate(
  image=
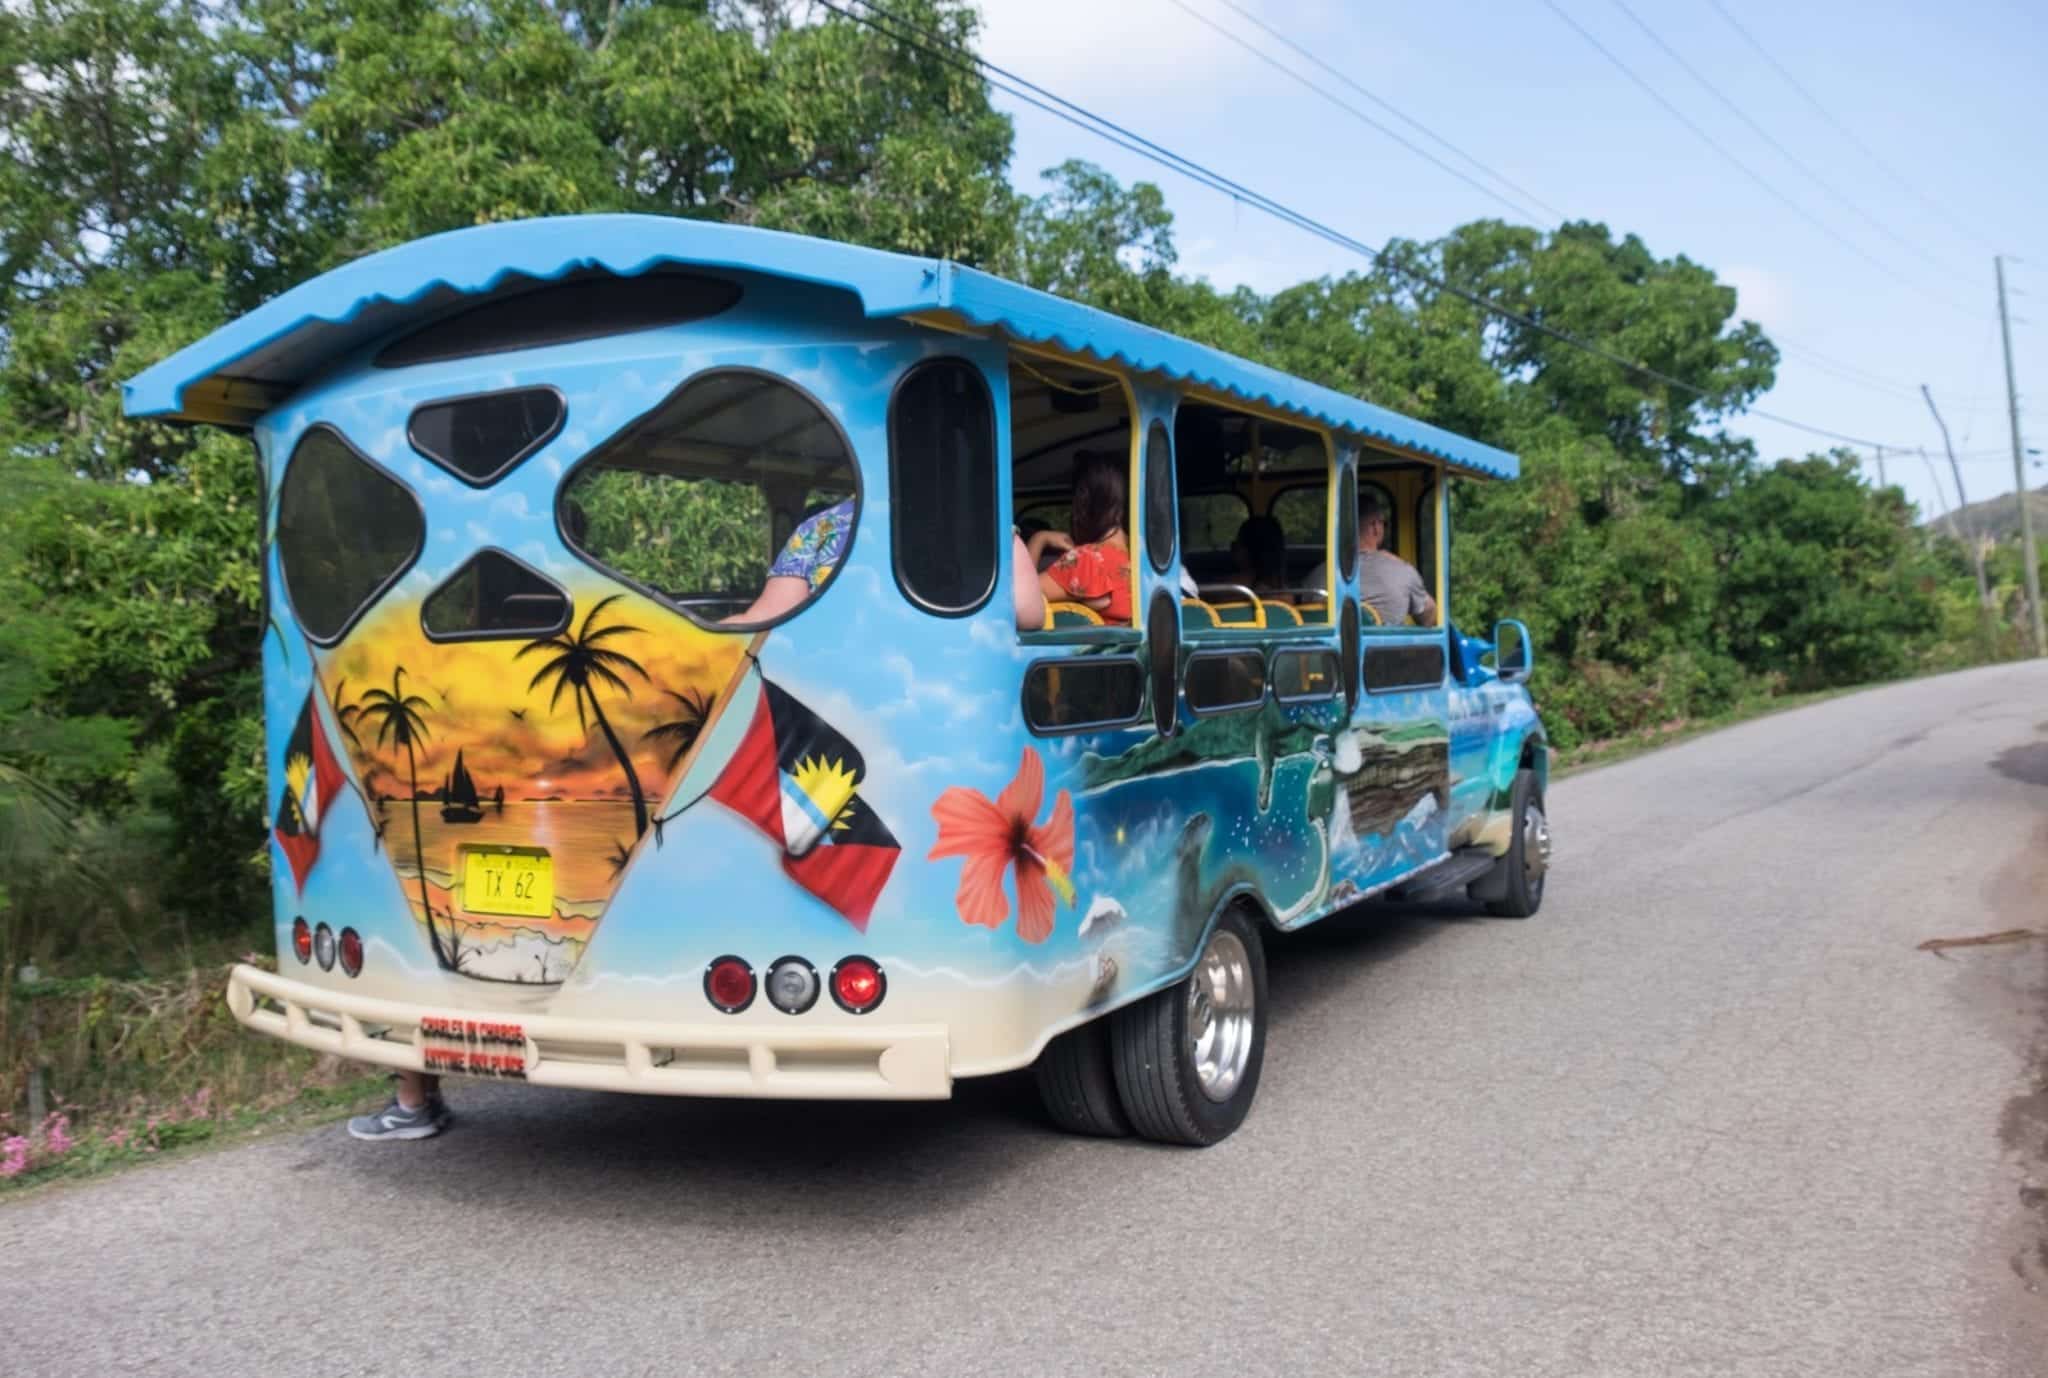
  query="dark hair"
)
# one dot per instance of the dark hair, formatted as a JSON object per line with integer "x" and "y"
{"x": 1098, "y": 497}
{"x": 1370, "y": 505}
{"x": 1265, "y": 545}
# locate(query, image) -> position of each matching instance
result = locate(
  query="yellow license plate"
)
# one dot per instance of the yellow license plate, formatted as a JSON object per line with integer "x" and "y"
{"x": 508, "y": 880}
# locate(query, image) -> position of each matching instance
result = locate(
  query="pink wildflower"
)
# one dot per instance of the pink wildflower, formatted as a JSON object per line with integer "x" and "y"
{"x": 57, "y": 1134}
{"x": 13, "y": 1156}
{"x": 118, "y": 1139}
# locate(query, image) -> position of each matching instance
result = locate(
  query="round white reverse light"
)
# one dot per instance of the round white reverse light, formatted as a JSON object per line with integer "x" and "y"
{"x": 793, "y": 985}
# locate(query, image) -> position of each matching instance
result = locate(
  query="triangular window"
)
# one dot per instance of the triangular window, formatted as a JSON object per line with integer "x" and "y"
{"x": 478, "y": 439}
{"x": 494, "y": 596}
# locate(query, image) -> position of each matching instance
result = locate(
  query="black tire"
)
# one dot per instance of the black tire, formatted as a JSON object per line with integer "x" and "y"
{"x": 1078, "y": 1085}
{"x": 1153, "y": 1054}
{"x": 1520, "y": 894}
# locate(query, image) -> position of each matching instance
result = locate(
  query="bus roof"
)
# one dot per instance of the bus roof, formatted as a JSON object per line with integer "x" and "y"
{"x": 248, "y": 366}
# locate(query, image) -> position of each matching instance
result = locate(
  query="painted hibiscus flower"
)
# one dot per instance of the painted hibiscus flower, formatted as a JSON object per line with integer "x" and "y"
{"x": 995, "y": 835}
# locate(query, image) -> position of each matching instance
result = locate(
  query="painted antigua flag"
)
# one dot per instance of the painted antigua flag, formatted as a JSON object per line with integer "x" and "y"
{"x": 795, "y": 778}
{"x": 312, "y": 782}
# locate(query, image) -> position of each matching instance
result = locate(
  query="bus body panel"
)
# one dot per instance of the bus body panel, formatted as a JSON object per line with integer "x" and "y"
{"x": 1297, "y": 809}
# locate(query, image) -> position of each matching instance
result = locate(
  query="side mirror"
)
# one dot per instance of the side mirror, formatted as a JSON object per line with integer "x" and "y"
{"x": 1513, "y": 656}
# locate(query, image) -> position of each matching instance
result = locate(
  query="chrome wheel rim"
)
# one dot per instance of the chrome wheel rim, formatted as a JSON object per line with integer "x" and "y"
{"x": 1535, "y": 848}
{"x": 1220, "y": 1015}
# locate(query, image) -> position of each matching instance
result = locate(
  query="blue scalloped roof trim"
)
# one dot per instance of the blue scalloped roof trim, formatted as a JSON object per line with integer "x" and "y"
{"x": 888, "y": 285}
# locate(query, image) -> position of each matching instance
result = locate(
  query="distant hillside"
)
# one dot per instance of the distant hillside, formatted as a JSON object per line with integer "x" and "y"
{"x": 1999, "y": 517}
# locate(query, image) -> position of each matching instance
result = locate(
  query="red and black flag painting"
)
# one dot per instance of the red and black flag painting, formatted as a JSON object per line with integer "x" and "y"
{"x": 794, "y": 777}
{"x": 313, "y": 780}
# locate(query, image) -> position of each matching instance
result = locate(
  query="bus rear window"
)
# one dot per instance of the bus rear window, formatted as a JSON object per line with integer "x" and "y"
{"x": 733, "y": 501}
{"x": 345, "y": 531}
{"x": 479, "y": 438}
{"x": 553, "y": 313}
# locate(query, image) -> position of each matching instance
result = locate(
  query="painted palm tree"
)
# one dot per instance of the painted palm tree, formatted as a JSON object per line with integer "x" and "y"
{"x": 401, "y": 721}
{"x": 681, "y": 733}
{"x": 580, "y": 664}
{"x": 346, "y": 715}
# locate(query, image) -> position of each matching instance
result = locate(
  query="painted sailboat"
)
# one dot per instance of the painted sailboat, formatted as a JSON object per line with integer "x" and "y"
{"x": 459, "y": 800}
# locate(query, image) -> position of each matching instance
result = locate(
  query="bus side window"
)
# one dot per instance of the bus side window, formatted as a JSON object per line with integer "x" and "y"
{"x": 1224, "y": 681}
{"x": 942, "y": 487}
{"x": 1083, "y": 692}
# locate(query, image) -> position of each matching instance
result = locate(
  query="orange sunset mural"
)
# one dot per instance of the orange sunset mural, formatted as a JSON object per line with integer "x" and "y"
{"x": 563, "y": 744}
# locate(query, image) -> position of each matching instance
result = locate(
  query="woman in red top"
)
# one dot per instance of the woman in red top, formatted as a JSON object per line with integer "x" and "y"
{"x": 1095, "y": 569}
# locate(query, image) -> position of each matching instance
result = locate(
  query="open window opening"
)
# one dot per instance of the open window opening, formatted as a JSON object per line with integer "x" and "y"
{"x": 1254, "y": 526}
{"x": 735, "y": 501}
{"x": 1398, "y": 560}
{"x": 1072, "y": 489}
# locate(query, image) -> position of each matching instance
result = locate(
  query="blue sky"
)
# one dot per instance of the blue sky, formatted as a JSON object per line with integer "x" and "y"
{"x": 1955, "y": 98}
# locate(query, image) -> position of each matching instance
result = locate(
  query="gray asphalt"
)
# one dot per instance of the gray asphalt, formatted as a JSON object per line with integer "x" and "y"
{"x": 1710, "y": 1112}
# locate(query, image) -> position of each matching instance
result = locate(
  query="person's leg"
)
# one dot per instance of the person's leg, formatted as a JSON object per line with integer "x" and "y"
{"x": 416, "y": 1111}
{"x": 417, "y": 1088}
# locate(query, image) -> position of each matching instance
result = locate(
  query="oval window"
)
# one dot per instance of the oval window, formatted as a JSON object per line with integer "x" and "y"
{"x": 1162, "y": 631}
{"x": 1347, "y": 641}
{"x": 345, "y": 531}
{"x": 1159, "y": 497}
{"x": 734, "y": 501}
{"x": 942, "y": 487}
{"x": 584, "y": 308}
{"x": 478, "y": 439}
{"x": 1347, "y": 526}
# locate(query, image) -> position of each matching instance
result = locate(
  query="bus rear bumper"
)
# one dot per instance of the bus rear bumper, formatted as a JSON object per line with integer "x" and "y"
{"x": 885, "y": 1062}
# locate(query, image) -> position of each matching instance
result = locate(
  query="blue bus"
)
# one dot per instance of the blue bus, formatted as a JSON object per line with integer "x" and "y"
{"x": 708, "y": 661}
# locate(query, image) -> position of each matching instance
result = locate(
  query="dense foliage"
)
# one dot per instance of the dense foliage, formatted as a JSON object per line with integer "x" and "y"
{"x": 169, "y": 165}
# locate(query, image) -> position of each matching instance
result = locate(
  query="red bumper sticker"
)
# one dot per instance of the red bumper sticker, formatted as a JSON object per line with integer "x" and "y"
{"x": 474, "y": 1047}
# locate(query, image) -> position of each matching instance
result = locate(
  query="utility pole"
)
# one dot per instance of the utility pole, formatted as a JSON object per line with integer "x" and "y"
{"x": 2019, "y": 474}
{"x": 1977, "y": 547}
{"x": 1880, "y": 468}
{"x": 1941, "y": 496}
{"x": 1976, "y": 544}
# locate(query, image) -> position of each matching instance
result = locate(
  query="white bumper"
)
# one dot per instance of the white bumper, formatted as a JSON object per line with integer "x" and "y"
{"x": 885, "y": 1062}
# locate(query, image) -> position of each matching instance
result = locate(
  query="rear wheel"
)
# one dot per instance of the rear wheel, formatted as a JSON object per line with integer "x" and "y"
{"x": 1078, "y": 1085}
{"x": 1187, "y": 1058}
{"x": 1528, "y": 856}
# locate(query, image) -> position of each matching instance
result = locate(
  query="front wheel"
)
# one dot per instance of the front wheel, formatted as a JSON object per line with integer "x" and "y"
{"x": 1527, "y": 861}
{"x": 1187, "y": 1058}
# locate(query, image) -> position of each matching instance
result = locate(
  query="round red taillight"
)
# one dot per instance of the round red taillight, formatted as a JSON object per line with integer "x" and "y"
{"x": 858, "y": 985}
{"x": 351, "y": 951}
{"x": 302, "y": 940}
{"x": 729, "y": 984}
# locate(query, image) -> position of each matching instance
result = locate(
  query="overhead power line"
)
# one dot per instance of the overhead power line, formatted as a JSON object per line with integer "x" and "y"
{"x": 1846, "y": 132}
{"x": 1360, "y": 115}
{"x": 1556, "y": 216}
{"x": 1762, "y": 133}
{"x": 1745, "y": 169}
{"x": 932, "y": 44}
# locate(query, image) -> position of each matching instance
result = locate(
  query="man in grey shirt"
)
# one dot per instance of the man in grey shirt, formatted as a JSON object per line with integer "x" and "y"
{"x": 1387, "y": 584}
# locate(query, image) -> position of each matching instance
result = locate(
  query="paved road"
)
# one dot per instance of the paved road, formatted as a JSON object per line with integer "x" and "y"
{"x": 1709, "y": 1113}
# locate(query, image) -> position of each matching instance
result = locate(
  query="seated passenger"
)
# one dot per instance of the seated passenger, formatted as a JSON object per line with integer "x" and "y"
{"x": 817, "y": 545}
{"x": 1095, "y": 569}
{"x": 1387, "y": 584}
{"x": 1261, "y": 554}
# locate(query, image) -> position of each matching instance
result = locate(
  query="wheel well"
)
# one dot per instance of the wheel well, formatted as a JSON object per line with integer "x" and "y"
{"x": 1536, "y": 757}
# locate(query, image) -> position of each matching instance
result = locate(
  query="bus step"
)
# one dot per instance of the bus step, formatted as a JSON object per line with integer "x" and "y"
{"x": 1464, "y": 866}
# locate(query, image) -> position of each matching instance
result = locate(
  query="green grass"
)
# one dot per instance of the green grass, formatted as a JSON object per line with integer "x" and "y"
{"x": 128, "y": 1070}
